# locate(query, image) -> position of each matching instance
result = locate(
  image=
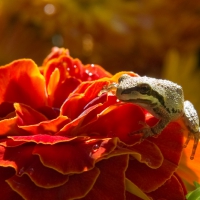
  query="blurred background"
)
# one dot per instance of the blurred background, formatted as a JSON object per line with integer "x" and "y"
{"x": 158, "y": 38}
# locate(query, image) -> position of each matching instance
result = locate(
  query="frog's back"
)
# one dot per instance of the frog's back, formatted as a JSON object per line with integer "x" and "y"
{"x": 172, "y": 94}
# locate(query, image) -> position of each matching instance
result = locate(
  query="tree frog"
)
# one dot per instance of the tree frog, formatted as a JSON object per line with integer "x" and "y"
{"x": 163, "y": 99}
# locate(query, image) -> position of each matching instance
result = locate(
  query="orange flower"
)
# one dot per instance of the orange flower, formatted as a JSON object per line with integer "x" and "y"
{"x": 60, "y": 140}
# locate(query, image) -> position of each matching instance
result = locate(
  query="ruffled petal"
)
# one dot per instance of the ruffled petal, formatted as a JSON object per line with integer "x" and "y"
{"x": 148, "y": 153}
{"x": 6, "y": 192}
{"x": 110, "y": 183}
{"x": 27, "y": 115}
{"x": 47, "y": 127}
{"x": 170, "y": 143}
{"x": 171, "y": 189}
{"x": 121, "y": 125}
{"x": 77, "y": 186}
{"x": 74, "y": 157}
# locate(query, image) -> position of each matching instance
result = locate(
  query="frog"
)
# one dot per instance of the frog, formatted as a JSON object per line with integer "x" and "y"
{"x": 163, "y": 99}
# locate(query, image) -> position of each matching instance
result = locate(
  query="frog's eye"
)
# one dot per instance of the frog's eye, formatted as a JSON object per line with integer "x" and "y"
{"x": 123, "y": 77}
{"x": 144, "y": 88}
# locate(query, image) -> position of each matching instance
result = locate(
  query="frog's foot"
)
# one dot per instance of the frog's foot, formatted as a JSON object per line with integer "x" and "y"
{"x": 196, "y": 137}
{"x": 108, "y": 88}
{"x": 146, "y": 130}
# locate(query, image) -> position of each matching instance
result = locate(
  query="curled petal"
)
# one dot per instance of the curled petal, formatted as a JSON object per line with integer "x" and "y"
{"x": 171, "y": 189}
{"x": 146, "y": 178}
{"x": 47, "y": 127}
{"x": 148, "y": 153}
{"x": 76, "y": 187}
{"x": 23, "y": 78}
{"x": 74, "y": 157}
{"x": 41, "y": 176}
{"x": 93, "y": 72}
{"x": 10, "y": 127}
{"x": 111, "y": 181}
{"x": 121, "y": 125}
{"x": 22, "y": 160}
{"x": 78, "y": 101}
{"x": 55, "y": 53}
{"x": 170, "y": 143}
{"x": 6, "y": 191}
{"x": 45, "y": 139}
{"x": 67, "y": 86}
{"x": 27, "y": 115}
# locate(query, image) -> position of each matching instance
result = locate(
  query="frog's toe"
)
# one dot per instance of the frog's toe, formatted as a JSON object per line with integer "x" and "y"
{"x": 195, "y": 144}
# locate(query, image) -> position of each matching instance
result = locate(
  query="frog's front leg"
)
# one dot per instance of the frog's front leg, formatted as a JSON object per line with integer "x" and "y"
{"x": 148, "y": 131}
{"x": 192, "y": 122}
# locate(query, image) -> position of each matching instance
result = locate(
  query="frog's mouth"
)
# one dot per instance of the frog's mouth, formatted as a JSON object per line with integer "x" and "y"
{"x": 141, "y": 101}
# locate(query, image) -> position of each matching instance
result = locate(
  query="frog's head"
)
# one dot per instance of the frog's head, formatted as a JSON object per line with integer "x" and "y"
{"x": 138, "y": 90}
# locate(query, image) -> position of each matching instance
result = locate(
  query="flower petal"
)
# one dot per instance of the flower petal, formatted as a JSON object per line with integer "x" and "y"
{"x": 47, "y": 127}
{"x": 6, "y": 191}
{"x": 22, "y": 160}
{"x": 44, "y": 139}
{"x": 148, "y": 153}
{"x": 67, "y": 86}
{"x": 77, "y": 186}
{"x": 41, "y": 176}
{"x": 10, "y": 127}
{"x": 55, "y": 53}
{"x": 172, "y": 189}
{"x": 23, "y": 78}
{"x": 74, "y": 157}
{"x": 170, "y": 143}
{"x": 77, "y": 102}
{"x": 110, "y": 183}
{"x": 27, "y": 115}
{"x": 121, "y": 124}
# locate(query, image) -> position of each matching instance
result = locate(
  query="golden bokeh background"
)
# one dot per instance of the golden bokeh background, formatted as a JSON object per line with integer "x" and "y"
{"x": 159, "y": 38}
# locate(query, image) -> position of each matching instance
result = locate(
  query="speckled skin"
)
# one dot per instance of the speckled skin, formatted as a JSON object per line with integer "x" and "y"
{"x": 163, "y": 99}
{"x": 163, "y": 93}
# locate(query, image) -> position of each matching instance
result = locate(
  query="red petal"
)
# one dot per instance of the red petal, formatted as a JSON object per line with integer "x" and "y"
{"x": 74, "y": 157}
{"x": 5, "y": 109}
{"x": 21, "y": 159}
{"x": 77, "y": 187}
{"x": 172, "y": 189}
{"x": 9, "y": 127}
{"x": 44, "y": 139}
{"x": 94, "y": 72}
{"x": 55, "y": 53}
{"x": 111, "y": 181}
{"x": 47, "y": 127}
{"x": 22, "y": 82}
{"x": 117, "y": 121}
{"x": 170, "y": 143}
{"x": 76, "y": 103}
{"x": 146, "y": 178}
{"x": 27, "y": 115}
{"x": 6, "y": 192}
{"x": 67, "y": 86}
{"x": 148, "y": 153}
{"x": 42, "y": 176}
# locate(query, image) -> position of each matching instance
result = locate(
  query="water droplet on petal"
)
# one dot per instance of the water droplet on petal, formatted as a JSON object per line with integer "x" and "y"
{"x": 90, "y": 73}
{"x": 95, "y": 148}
